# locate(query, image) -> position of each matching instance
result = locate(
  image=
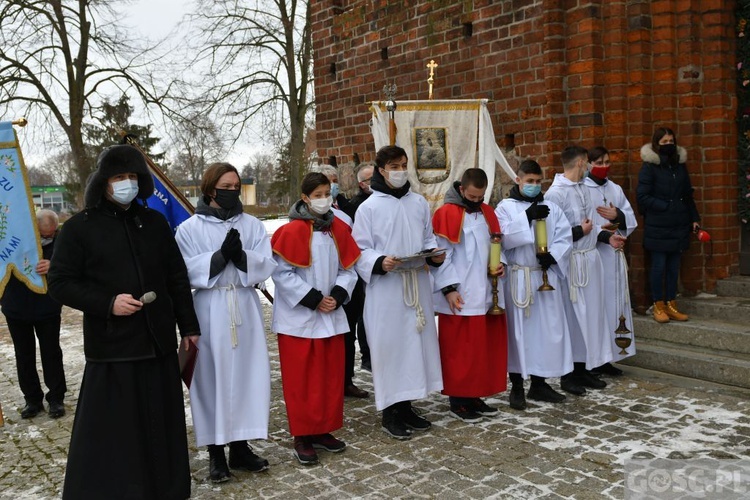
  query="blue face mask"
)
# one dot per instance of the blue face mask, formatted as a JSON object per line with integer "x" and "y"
{"x": 334, "y": 190}
{"x": 531, "y": 190}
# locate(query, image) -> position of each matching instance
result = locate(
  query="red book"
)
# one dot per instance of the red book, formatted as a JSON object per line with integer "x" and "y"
{"x": 187, "y": 359}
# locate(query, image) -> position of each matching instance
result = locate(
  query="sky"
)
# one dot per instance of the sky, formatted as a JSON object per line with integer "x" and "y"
{"x": 152, "y": 19}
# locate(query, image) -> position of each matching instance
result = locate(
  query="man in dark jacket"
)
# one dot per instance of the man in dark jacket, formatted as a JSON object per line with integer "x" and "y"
{"x": 27, "y": 312}
{"x": 129, "y": 438}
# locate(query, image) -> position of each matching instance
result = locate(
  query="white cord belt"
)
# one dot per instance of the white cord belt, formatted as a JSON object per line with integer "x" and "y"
{"x": 235, "y": 318}
{"x": 410, "y": 282}
{"x": 579, "y": 272}
{"x": 528, "y": 297}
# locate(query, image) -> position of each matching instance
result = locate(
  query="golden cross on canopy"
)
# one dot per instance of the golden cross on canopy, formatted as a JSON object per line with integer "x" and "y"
{"x": 432, "y": 65}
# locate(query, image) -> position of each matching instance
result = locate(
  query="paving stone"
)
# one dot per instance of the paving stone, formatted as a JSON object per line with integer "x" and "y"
{"x": 572, "y": 450}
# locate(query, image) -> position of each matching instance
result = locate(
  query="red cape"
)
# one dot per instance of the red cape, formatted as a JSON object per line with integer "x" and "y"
{"x": 292, "y": 242}
{"x": 448, "y": 221}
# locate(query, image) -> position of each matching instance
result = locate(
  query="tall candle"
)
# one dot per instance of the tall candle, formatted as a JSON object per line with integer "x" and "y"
{"x": 540, "y": 230}
{"x": 494, "y": 252}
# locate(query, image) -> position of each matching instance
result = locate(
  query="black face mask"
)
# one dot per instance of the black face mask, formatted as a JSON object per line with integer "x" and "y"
{"x": 667, "y": 150}
{"x": 227, "y": 198}
{"x": 473, "y": 206}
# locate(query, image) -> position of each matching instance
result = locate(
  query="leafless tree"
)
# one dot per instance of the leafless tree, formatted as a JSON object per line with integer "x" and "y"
{"x": 197, "y": 142}
{"x": 260, "y": 53}
{"x": 58, "y": 56}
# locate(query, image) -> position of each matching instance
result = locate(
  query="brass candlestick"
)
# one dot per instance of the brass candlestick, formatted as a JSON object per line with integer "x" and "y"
{"x": 495, "y": 310}
{"x": 492, "y": 269}
{"x": 545, "y": 286}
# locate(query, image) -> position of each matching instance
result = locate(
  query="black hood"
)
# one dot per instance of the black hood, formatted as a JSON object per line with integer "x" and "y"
{"x": 113, "y": 161}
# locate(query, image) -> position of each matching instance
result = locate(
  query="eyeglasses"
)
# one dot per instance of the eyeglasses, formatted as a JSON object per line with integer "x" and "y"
{"x": 367, "y": 181}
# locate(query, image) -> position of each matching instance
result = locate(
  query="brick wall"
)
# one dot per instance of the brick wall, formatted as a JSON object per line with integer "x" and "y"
{"x": 557, "y": 72}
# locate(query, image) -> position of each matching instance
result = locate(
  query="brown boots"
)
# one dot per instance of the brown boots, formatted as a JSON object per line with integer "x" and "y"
{"x": 665, "y": 311}
{"x": 673, "y": 313}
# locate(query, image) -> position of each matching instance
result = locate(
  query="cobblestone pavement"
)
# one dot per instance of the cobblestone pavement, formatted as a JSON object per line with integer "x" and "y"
{"x": 572, "y": 450}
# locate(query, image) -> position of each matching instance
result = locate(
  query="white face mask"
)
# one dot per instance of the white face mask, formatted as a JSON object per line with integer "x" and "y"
{"x": 398, "y": 178}
{"x": 321, "y": 205}
{"x": 125, "y": 191}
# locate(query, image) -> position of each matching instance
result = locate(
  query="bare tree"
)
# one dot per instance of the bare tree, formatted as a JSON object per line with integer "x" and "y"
{"x": 40, "y": 177}
{"x": 261, "y": 168}
{"x": 197, "y": 142}
{"x": 260, "y": 52}
{"x": 57, "y": 56}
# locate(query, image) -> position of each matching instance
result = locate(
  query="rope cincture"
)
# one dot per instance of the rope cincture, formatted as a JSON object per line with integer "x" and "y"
{"x": 528, "y": 298}
{"x": 579, "y": 272}
{"x": 235, "y": 318}
{"x": 410, "y": 283}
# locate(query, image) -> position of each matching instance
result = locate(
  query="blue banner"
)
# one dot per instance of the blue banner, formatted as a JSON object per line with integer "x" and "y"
{"x": 20, "y": 248}
{"x": 164, "y": 200}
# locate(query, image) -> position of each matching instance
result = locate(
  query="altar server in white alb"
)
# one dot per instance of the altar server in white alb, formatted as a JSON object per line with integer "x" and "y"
{"x": 473, "y": 344}
{"x": 612, "y": 207}
{"x": 538, "y": 335}
{"x": 399, "y": 315}
{"x": 227, "y": 252}
{"x": 315, "y": 275}
{"x": 589, "y": 324}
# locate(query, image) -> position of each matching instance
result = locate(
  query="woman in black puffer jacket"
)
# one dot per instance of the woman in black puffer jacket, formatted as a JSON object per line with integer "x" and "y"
{"x": 665, "y": 199}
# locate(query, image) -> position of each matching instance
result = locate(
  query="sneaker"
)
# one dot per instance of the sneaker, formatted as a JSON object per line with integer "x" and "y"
{"x": 607, "y": 369}
{"x": 568, "y": 385}
{"x": 412, "y": 420}
{"x": 586, "y": 379}
{"x": 516, "y": 398}
{"x": 304, "y": 451}
{"x": 327, "y": 442}
{"x": 465, "y": 413}
{"x": 483, "y": 408}
{"x": 393, "y": 426}
{"x": 543, "y": 392}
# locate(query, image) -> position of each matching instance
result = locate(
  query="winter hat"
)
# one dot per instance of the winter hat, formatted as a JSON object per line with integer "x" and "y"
{"x": 116, "y": 160}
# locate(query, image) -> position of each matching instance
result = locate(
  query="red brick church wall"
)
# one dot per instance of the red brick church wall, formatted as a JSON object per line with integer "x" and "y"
{"x": 557, "y": 73}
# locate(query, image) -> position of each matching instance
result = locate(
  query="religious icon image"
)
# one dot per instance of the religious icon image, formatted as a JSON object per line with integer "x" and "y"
{"x": 431, "y": 148}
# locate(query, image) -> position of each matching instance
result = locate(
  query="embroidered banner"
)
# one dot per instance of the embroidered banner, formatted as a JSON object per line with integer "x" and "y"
{"x": 20, "y": 247}
{"x": 442, "y": 139}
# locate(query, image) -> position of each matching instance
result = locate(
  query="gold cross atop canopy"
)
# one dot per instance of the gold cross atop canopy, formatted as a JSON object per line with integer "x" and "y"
{"x": 432, "y": 65}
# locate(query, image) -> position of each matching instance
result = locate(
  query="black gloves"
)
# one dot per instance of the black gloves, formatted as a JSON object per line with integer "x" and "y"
{"x": 231, "y": 249}
{"x": 545, "y": 260}
{"x": 536, "y": 211}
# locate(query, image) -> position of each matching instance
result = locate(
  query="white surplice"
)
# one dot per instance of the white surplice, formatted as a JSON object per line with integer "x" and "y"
{"x": 230, "y": 395}
{"x": 591, "y": 335}
{"x": 405, "y": 361}
{"x": 538, "y": 334}
{"x": 466, "y": 264}
{"x": 616, "y": 293}
{"x": 293, "y": 283}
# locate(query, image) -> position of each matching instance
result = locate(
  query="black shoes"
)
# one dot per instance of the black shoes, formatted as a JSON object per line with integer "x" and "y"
{"x": 517, "y": 399}
{"x": 242, "y": 457}
{"x": 393, "y": 425}
{"x": 219, "y": 472}
{"x": 411, "y": 418}
{"x": 352, "y": 391}
{"x": 541, "y": 391}
{"x": 465, "y": 413}
{"x": 568, "y": 384}
{"x": 586, "y": 379}
{"x": 483, "y": 408}
{"x": 31, "y": 410}
{"x": 56, "y": 410}
{"x": 607, "y": 369}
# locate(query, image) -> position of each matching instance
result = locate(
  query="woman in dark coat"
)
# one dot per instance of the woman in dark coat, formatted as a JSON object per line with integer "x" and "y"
{"x": 665, "y": 199}
{"x": 129, "y": 438}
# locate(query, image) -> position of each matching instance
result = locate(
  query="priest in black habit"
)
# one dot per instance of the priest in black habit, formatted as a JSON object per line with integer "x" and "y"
{"x": 129, "y": 438}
